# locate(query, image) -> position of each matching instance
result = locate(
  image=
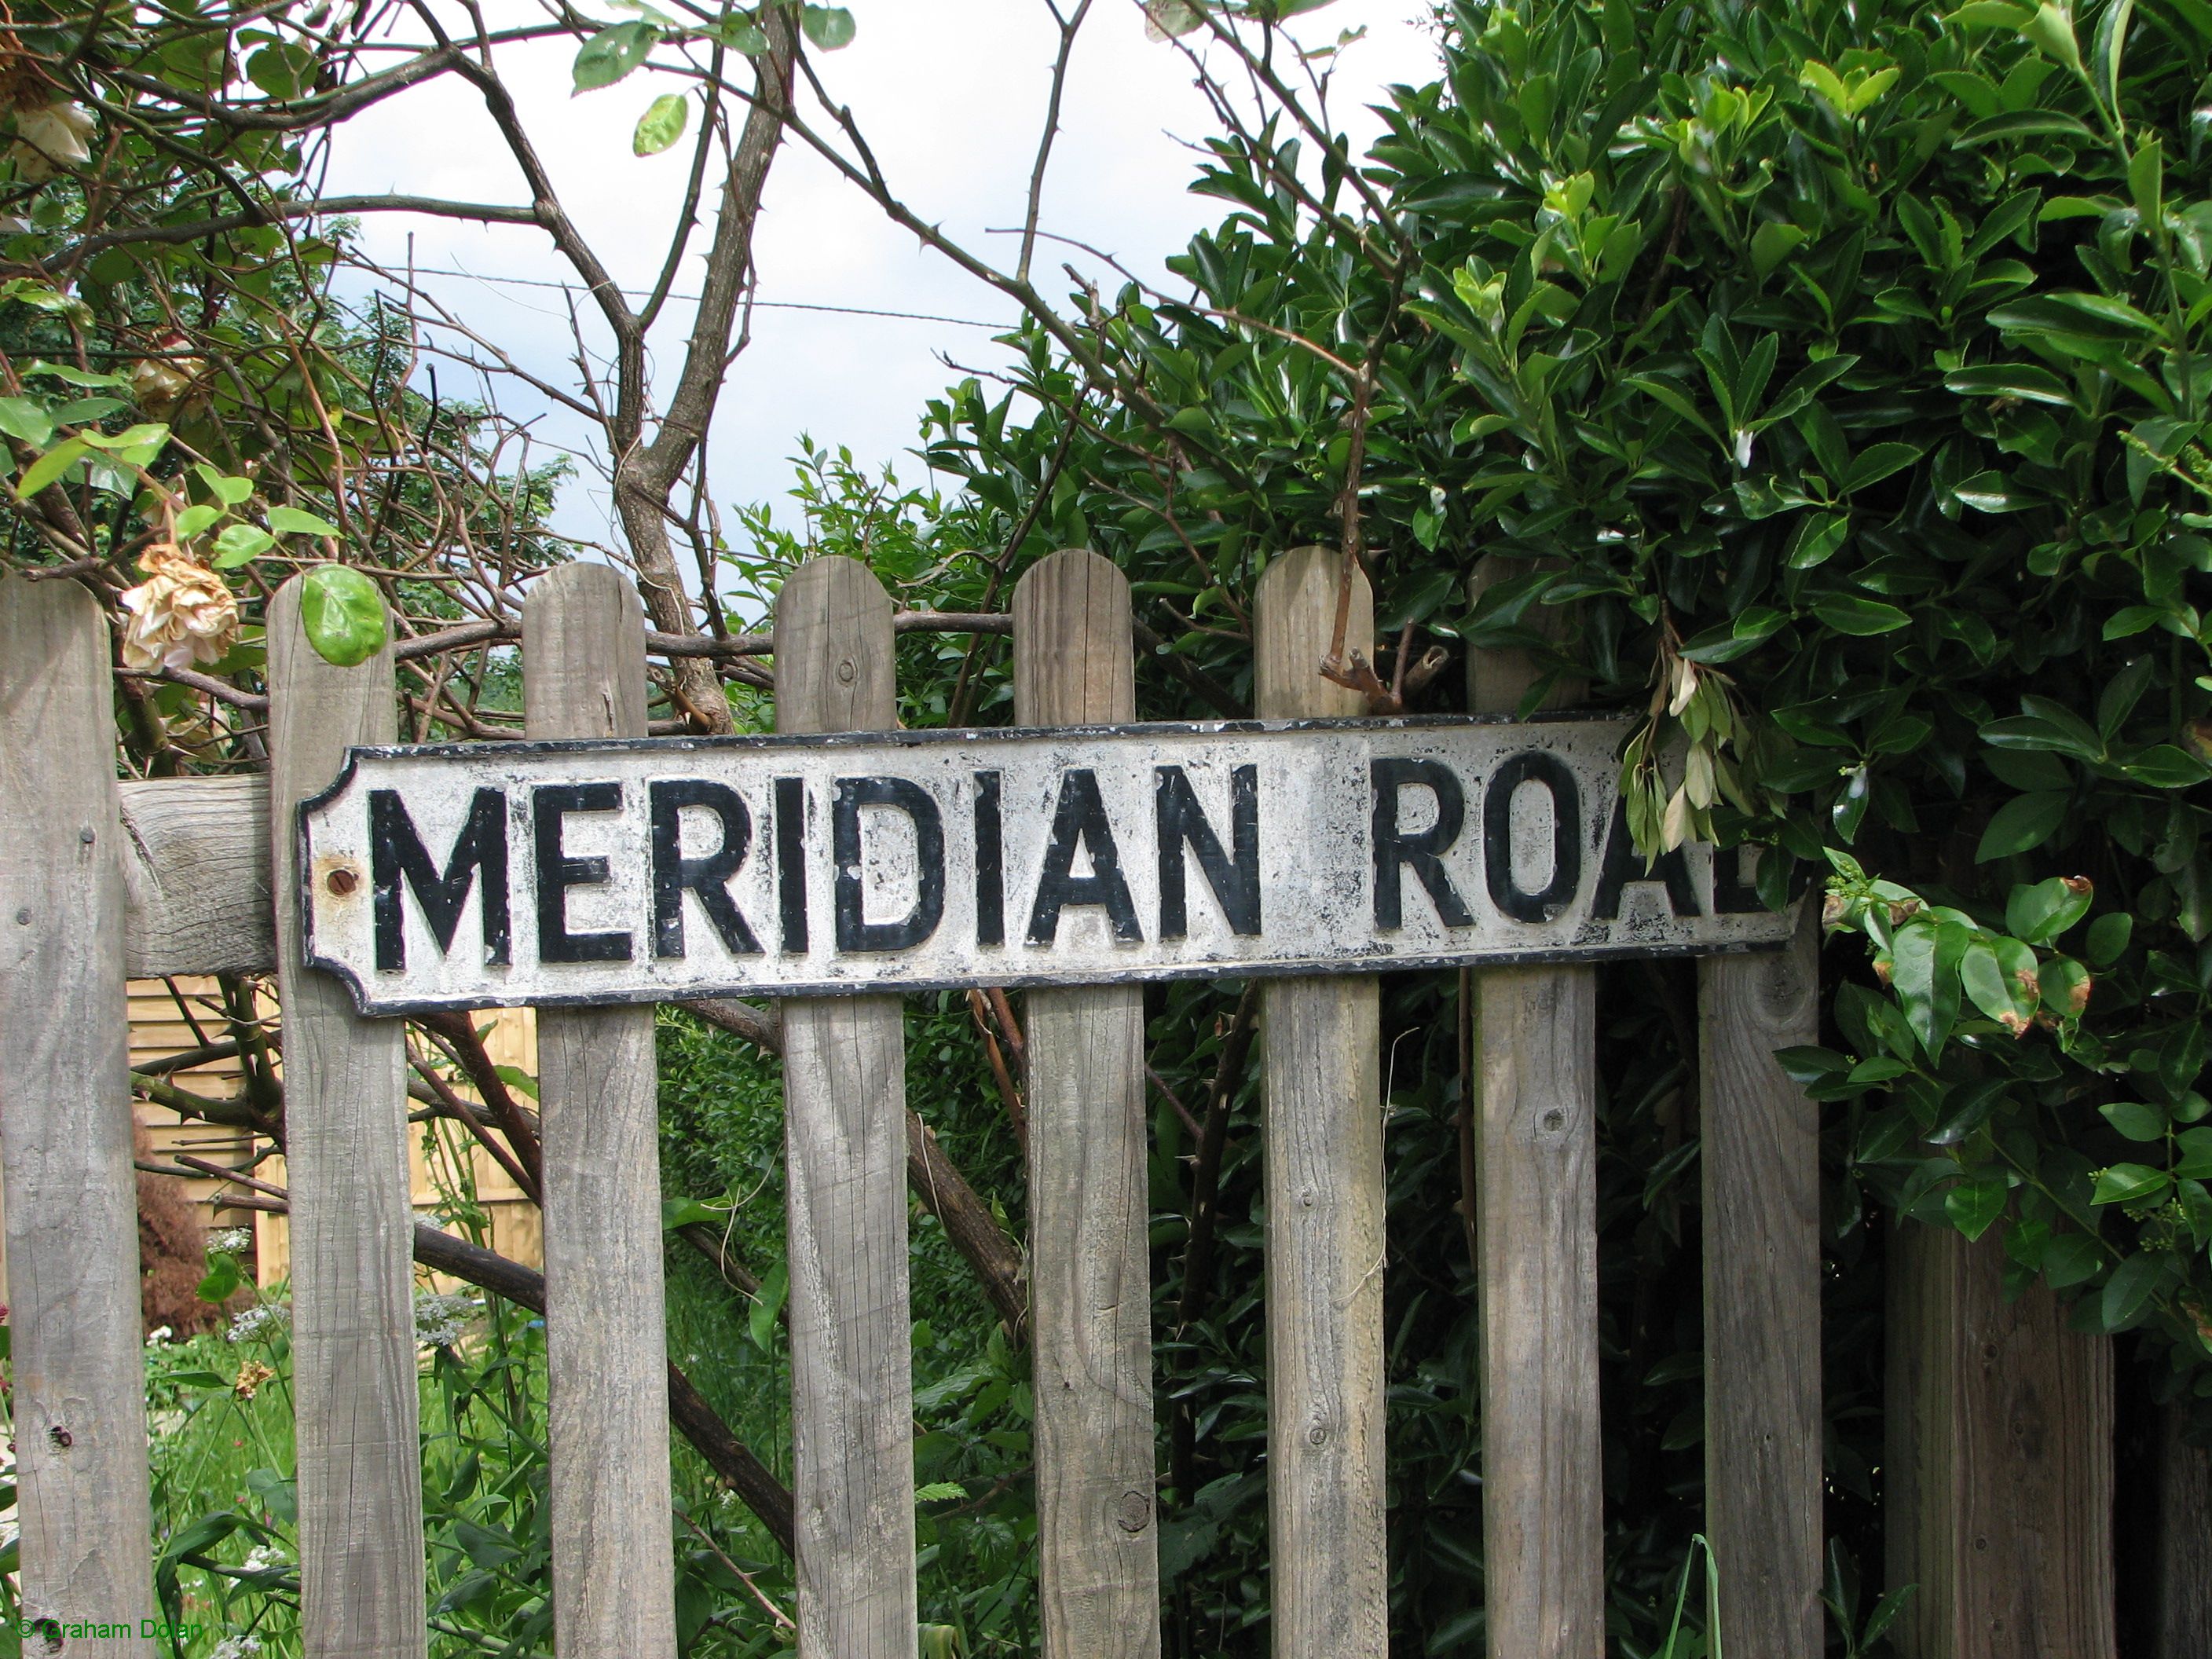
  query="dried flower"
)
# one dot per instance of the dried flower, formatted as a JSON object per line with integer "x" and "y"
{"x": 251, "y": 1375}
{"x": 49, "y": 139}
{"x": 440, "y": 1319}
{"x": 159, "y": 384}
{"x": 262, "y": 1317}
{"x": 181, "y": 615}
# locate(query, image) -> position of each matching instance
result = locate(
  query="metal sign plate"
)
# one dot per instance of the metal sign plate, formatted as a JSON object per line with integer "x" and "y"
{"x": 470, "y": 874}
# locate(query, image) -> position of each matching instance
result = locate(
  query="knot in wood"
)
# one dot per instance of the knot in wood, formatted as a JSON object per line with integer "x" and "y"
{"x": 1132, "y": 1511}
{"x": 846, "y": 670}
{"x": 1318, "y": 1435}
{"x": 85, "y": 836}
{"x": 1554, "y": 1120}
{"x": 23, "y": 916}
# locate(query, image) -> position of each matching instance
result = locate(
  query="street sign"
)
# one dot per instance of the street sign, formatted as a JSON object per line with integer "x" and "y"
{"x": 471, "y": 874}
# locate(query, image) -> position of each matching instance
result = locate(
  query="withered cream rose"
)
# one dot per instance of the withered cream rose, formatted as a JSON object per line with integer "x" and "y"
{"x": 181, "y": 615}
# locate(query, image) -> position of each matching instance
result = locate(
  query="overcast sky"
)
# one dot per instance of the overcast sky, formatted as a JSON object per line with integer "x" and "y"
{"x": 951, "y": 93}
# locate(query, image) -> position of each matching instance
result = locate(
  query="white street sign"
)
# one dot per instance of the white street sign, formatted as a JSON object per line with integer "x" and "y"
{"x": 470, "y": 874}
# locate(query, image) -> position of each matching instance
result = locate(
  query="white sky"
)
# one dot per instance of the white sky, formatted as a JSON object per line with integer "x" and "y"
{"x": 950, "y": 93}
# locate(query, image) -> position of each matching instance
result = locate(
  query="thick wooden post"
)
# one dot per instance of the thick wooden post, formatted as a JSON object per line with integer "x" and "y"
{"x": 1999, "y": 1477}
{"x": 1542, "y": 1491}
{"x": 844, "y": 1090}
{"x": 353, "y": 1218}
{"x": 1090, "y": 1260}
{"x": 1761, "y": 1156}
{"x": 79, "y": 1398}
{"x": 583, "y": 664}
{"x": 1324, "y": 1117}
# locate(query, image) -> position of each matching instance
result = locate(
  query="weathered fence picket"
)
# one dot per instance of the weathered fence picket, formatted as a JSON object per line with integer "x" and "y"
{"x": 1542, "y": 1491}
{"x": 362, "y": 1568}
{"x": 1090, "y": 1255}
{"x": 1323, "y": 1111}
{"x": 1759, "y": 1147}
{"x": 189, "y": 876}
{"x": 79, "y": 1401}
{"x": 844, "y": 1090}
{"x": 583, "y": 656}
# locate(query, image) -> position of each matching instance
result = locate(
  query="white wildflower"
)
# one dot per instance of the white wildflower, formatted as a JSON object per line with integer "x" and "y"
{"x": 158, "y": 1335}
{"x": 237, "y": 1646}
{"x": 181, "y": 615}
{"x": 440, "y": 1319}
{"x": 50, "y": 139}
{"x": 1743, "y": 447}
{"x": 262, "y": 1557}
{"x": 262, "y": 1317}
{"x": 230, "y": 1241}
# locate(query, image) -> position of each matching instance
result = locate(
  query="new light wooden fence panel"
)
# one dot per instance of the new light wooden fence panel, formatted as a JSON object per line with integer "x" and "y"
{"x": 1090, "y": 1257}
{"x": 1760, "y": 1150}
{"x": 1542, "y": 1493}
{"x": 583, "y": 668}
{"x": 352, "y": 1224}
{"x": 1323, "y": 1174}
{"x": 844, "y": 1090}
{"x": 72, "y": 1225}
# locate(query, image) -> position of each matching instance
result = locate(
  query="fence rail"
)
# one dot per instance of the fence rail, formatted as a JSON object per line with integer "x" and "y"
{"x": 183, "y": 875}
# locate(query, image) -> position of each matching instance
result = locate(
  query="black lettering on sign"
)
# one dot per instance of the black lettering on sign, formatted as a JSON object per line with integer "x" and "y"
{"x": 855, "y": 932}
{"x": 791, "y": 863}
{"x": 1079, "y": 820}
{"x": 990, "y": 863}
{"x": 709, "y": 876}
{"x": 550, "y": 803}
{"x": 1624, "y": 867}
{"x": 1181, "y": 822}
{"x": 397, "y": 854}
{"x": 1396, "y": 852}
{"x": 1539, "y": 767}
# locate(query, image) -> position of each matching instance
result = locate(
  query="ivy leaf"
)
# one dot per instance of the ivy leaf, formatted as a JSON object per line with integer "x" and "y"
{"x": 343, "y": 614}
{"x": 2040, "y": 912}
{"x": 2129, "y": 1290}
{"x": 243, "y": 541}
{"x": 1974, "y": 1207}
{"x": 291, "y": 521}
{"x": 612, "y": 54}
{"x": 19, "y": 417}
{"x": 2023, "y": 823}
{"x": 662, "y": 123}
{"x": 196, "y": 521}
{"x": 1847, "y": 613}
{"x": 830, "y": 28}
{"x": 50, "y": 467}
{"x": 2129, "y": 1184}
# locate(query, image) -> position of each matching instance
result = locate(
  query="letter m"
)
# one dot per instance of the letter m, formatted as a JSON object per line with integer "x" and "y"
{"x": 397, "y": 856}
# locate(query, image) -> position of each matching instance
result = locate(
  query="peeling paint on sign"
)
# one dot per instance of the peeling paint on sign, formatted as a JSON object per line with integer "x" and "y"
{"x": 473, "y": 874}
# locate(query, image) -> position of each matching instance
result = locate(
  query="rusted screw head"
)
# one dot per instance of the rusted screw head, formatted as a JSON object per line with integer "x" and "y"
{"x": 342, "y": 881}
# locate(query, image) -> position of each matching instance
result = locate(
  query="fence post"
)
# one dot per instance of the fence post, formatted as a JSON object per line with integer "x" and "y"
{"x": 1998, "y": 1469}
{"x": 1090, "y": 1257}
{"x": 79, "y": 1399}
{"x": 353, "y": 1218}
{"x": 1323, "y": 1170}
{"x": 844, "y": 1089}
{"x": 1542, "y": 1490}
{"x": 583, "y": 669}
{"x": 1761, "y": 1156}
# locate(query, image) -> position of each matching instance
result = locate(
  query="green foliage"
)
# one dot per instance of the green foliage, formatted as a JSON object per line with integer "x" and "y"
{"x": 343, "y": 614}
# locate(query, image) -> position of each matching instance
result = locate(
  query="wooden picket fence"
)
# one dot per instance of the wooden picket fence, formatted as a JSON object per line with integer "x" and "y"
{"x": 98, "y": 884}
